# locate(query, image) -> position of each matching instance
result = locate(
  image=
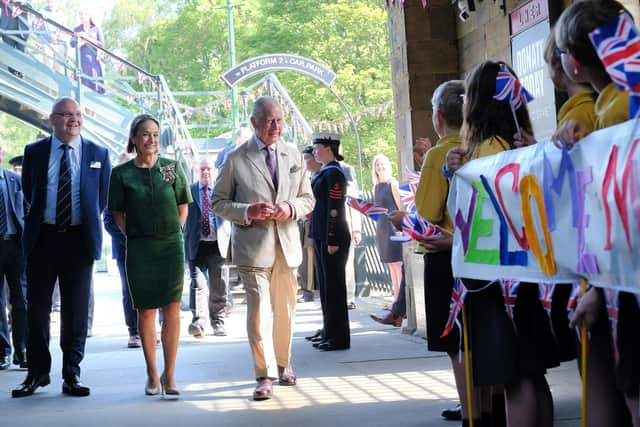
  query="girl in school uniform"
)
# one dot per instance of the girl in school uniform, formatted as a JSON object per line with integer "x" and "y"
{"x": 608, "y": 382}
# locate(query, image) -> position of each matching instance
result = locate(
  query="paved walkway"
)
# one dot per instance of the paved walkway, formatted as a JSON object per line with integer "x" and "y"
{"x": 386, "y": 379}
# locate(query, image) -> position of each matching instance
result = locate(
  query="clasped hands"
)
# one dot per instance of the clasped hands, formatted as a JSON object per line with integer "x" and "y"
{"x": 265, "y": 211}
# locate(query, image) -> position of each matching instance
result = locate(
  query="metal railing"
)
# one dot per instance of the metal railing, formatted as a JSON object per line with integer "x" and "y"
{"x": 45, "y": 67}
{"x": 372, "y": 275}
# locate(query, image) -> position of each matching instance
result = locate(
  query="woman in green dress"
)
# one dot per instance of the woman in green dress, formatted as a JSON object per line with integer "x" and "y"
{"x": 148, "y": 196}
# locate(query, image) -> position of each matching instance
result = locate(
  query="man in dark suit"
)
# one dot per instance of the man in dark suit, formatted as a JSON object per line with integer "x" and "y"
{"x": 206, "y": 238}
{"x": 65, "y": 180}
{"x": 12, "y": 269}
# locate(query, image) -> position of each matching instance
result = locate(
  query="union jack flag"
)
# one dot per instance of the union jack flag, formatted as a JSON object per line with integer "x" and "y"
{"x": 369, "y": 209}
{"x": 509, "y": 88}
{"x": 510, "y": 294}
{"x": 414, "y": 176}
{"x": 408, "y": 196}
{"x": 545, "y": 293}
{"x": 409, "y": 190}
{"x": 618, "y": 46}
{"x": 458, "y": 295}
{"x": 611, "y": 298}
{"x": 417, "y": 227}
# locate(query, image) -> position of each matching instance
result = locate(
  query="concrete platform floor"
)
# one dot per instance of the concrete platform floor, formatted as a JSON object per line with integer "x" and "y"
{"x": 386, "y": 379}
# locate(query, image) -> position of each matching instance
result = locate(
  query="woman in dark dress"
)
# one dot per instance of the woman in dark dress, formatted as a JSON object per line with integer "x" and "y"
{"x": 331, "y": 237}
{"x": 148, "y": 197}
{"x": 387, "y": 195}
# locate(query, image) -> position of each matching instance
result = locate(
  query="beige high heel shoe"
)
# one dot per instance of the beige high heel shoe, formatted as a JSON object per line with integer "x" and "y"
{"x": 168, "y": 393}
{"x": 150, "y": 389}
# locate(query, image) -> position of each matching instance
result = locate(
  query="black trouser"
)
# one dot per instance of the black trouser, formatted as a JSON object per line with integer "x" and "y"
{"x": 206, "y": 270}
{"x": 333, "y": 292}
{"x": 130, "y": 313}
{"x": 12, "y": 268}
{"x": 61, "y": 256}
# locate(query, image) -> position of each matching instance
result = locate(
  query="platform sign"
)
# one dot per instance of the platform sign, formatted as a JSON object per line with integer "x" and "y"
{"x": 281, "y": 62}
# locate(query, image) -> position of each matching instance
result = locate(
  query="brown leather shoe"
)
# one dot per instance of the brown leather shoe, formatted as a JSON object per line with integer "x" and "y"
{"x": 286, "y": 376}
{"x": 389, "y": 319}
{"x": 264, "y": 389}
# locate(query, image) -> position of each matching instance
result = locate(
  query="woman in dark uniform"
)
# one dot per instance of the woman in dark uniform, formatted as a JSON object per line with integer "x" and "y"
{"x": 148, "y": 197}
{"x": 331, "y": 237}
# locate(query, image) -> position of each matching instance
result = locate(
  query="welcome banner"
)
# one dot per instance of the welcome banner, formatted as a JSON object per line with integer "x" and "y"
{"x": 544, "y": 214}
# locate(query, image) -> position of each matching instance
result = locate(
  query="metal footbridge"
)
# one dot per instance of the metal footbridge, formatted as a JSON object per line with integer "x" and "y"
{"x": 36, "y": 72}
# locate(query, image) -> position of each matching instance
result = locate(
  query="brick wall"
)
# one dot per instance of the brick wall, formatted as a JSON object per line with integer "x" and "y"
{"x": 423, "y": 54}
{"x": 430, "y": 46}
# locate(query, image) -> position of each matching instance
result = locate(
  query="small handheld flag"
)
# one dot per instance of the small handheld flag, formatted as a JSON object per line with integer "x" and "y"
{"x": 414, "y": 176}
{"x": 458, "y": 295}
{"x": 508, "y": 88}
{"x": 545, "y": 293}
{"x": 408, "y": 191}
{"x": 408, "y": 196}
{"x": 417, "y": 227}
{"x": 369, "y": 209}
{"x": 510, "y": 294}
{"x": 618, "y": 46}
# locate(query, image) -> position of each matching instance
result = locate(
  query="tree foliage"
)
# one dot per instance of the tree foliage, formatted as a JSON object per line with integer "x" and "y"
{"x": 14, "y": 135}
{"x": 187, "y": 41}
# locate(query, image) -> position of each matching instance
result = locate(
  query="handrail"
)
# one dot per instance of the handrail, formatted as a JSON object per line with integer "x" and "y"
{"x": 119, "y": 95}
{"x": 70, "y": 32}
{"x": 184, "y": 147}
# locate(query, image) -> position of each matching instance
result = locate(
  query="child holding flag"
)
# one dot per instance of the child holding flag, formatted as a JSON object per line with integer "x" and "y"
{"x": 431, "y": 204}
{"x": 599, "y": 42}
{"x": 494, "y": 111}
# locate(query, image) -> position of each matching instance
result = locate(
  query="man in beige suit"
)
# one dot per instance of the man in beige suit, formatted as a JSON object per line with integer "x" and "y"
{"x": 263, "y": 189}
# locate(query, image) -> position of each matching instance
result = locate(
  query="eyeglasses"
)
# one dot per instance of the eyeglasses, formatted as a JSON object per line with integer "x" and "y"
{"x": 68, "y": 115}
{"x": 559, "y": 52}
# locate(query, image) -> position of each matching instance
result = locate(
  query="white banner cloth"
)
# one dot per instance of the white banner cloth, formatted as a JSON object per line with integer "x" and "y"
{"x": 544, "y": 214}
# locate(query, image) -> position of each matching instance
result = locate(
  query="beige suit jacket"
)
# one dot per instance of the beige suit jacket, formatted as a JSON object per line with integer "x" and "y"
{"x": 244, "y": 180}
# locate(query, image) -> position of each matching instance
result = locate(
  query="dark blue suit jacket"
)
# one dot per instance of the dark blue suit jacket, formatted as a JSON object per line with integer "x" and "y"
{"x": 17, "y": 206}
{"x": 193, "y": 226}
{"x": 94, "y": 186}
{"x": 118, "y": 239}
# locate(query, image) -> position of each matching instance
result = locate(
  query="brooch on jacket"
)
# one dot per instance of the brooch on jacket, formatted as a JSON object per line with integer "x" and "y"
{"x": 168, "y": 173}
{"x": 294, "y": 169}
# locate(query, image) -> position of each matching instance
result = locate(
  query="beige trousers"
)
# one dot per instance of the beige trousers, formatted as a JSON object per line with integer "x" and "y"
{"x": 271, "y": 308}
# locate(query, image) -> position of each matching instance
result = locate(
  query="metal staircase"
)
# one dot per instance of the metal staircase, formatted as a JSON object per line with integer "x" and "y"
{"x": 33, "y": 76}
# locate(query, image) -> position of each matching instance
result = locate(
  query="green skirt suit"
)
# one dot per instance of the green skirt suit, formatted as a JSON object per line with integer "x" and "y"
{"x": 149, "y": 198}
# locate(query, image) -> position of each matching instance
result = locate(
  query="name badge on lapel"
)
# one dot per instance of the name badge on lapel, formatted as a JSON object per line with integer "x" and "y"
{"x": 95, "y": 165}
